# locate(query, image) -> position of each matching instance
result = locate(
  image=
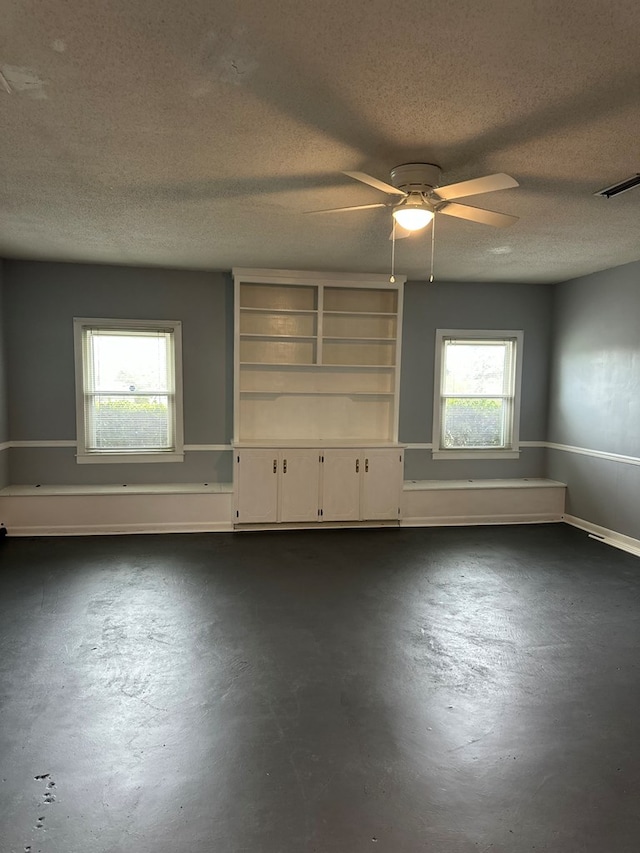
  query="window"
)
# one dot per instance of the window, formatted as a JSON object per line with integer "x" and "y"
{"x": 477, "y": 396}
{"x": 128, "y": 390}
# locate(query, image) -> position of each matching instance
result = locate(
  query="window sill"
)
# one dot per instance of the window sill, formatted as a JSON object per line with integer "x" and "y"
{"x": 127, "y": 458}
{"x": 476, "y": 454}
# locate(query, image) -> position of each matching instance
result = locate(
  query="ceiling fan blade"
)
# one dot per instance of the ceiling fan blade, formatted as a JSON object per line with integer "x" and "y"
{"x": 488, "y": 184}
{"x": 478, "y": 214}
{"x": 375, "y": 183}
{"x": 342, "y": 209}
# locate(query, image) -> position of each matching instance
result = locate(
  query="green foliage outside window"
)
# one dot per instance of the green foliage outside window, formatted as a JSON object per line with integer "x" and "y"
{"x": 132, "y": 423}
{"x": 473, "y": 422}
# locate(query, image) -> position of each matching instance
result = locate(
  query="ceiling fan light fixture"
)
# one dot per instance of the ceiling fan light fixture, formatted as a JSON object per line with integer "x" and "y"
{"x": 413, "y": 215}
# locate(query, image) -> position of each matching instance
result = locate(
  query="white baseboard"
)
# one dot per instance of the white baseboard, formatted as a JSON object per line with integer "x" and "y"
{"x": 119, "y": 529}
{"x": 470, "y": 520}
{"x": 603, "y": 534}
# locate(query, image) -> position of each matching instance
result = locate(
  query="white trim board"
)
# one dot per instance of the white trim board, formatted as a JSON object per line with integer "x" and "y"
{"x": 473, "y": 520}
{"x": 117, "y": 489}
{"x": 603, "y": 534}
{"x": 43, "y": 443}
{"x": 432, "y": 503}
{"x": 597, "y": 454}
{"x": 77, "y": 514}
{"x": 195, "y": 448}
{"x": 524, "y": 445}
{"x": 551, "y": 445}
{"x": 448, "y": 485}
{"x": 122, "y": 529}
{"x": 69, "y": 443}
{"x": 191, "y": 448}
{"x": 249, "y": 275}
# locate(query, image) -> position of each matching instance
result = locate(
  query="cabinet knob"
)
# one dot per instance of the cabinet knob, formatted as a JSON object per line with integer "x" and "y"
{"x": 284, "y": 466}
{"x": 357, "y": 465}
{"x": 275, "y": 465}
{"x": 366, "y": 465}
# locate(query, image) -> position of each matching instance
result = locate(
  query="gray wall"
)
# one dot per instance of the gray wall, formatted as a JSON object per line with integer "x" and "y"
{"x": 43, "y": 298}
{"x": 4, "y": 420}
{"x": 448, "y": 305}
{"x": 594, "y": 375}
{"x": 595, "y": 395}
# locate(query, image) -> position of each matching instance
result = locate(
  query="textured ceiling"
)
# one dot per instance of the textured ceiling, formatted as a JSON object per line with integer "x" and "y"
{"x": 195, "y": 134}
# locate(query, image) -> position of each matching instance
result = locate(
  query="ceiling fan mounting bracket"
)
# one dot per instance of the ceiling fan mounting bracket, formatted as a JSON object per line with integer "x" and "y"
{"x": 416, "y": 177}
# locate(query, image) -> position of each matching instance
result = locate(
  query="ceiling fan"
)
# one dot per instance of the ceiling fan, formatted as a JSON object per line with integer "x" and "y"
{"x": 417, "y": 197}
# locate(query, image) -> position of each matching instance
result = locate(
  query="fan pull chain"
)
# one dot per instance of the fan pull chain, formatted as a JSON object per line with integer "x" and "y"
{"x": 433, "y": 245}
{"x": 392, "y": 277}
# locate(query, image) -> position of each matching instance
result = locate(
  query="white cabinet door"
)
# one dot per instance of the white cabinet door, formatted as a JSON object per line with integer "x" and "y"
{"x": 341, "y": 485}
{"x": 381, "y": 483}
{"x": 256, "y": 486}
{"x": 299, "y": 485}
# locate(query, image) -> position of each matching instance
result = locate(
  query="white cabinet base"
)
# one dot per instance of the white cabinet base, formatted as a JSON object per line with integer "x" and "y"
{"x": 256, "y": 487}
{"x": 329, "y": 525}
{"x": 279, "y": 486}
{"x": 341, "y": 485}
{"x": 299, "y": 485}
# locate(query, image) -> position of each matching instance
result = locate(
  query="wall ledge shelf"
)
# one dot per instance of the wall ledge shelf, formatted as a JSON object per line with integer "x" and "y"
{"x": 276, "y": 337}
{"x": 312, "y": 393}
{"x": 309, "y": 366}
{"x": 357, "y": 340}
{"x": 309, "y": 311}
{"x": 360, "y": 313}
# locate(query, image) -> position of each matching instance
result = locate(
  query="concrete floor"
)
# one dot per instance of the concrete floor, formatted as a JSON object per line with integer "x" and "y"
{"x": 444, "y": 690}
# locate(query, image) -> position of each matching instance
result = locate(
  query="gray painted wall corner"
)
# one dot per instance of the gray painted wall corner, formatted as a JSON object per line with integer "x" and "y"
{"x": 594, "y": 395}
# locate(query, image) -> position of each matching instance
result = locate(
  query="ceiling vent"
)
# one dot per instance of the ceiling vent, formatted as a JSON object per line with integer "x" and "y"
{"x": 621, "y": 187}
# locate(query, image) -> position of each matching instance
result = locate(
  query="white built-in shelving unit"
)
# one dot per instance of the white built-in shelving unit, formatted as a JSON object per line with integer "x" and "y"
{"x": 317, "y": 367}
{"x": 317, "y": 356}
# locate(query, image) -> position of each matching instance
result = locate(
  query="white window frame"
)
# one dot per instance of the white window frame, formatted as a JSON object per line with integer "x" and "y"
{"x": 85, "y": 455}
{"x": 511, "y": 452}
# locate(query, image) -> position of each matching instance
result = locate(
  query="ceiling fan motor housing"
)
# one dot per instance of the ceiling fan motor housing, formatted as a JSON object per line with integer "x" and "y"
{"x": 416, "y": 177}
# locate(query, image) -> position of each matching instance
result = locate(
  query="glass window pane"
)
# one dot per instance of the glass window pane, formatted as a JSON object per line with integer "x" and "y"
{"x": 476, "y": 367}
{"x": 129, "y": 384}
{"x": 134, "y": 363}
{"x": 474, "y": 423}
{"x": 133, "y": 423}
